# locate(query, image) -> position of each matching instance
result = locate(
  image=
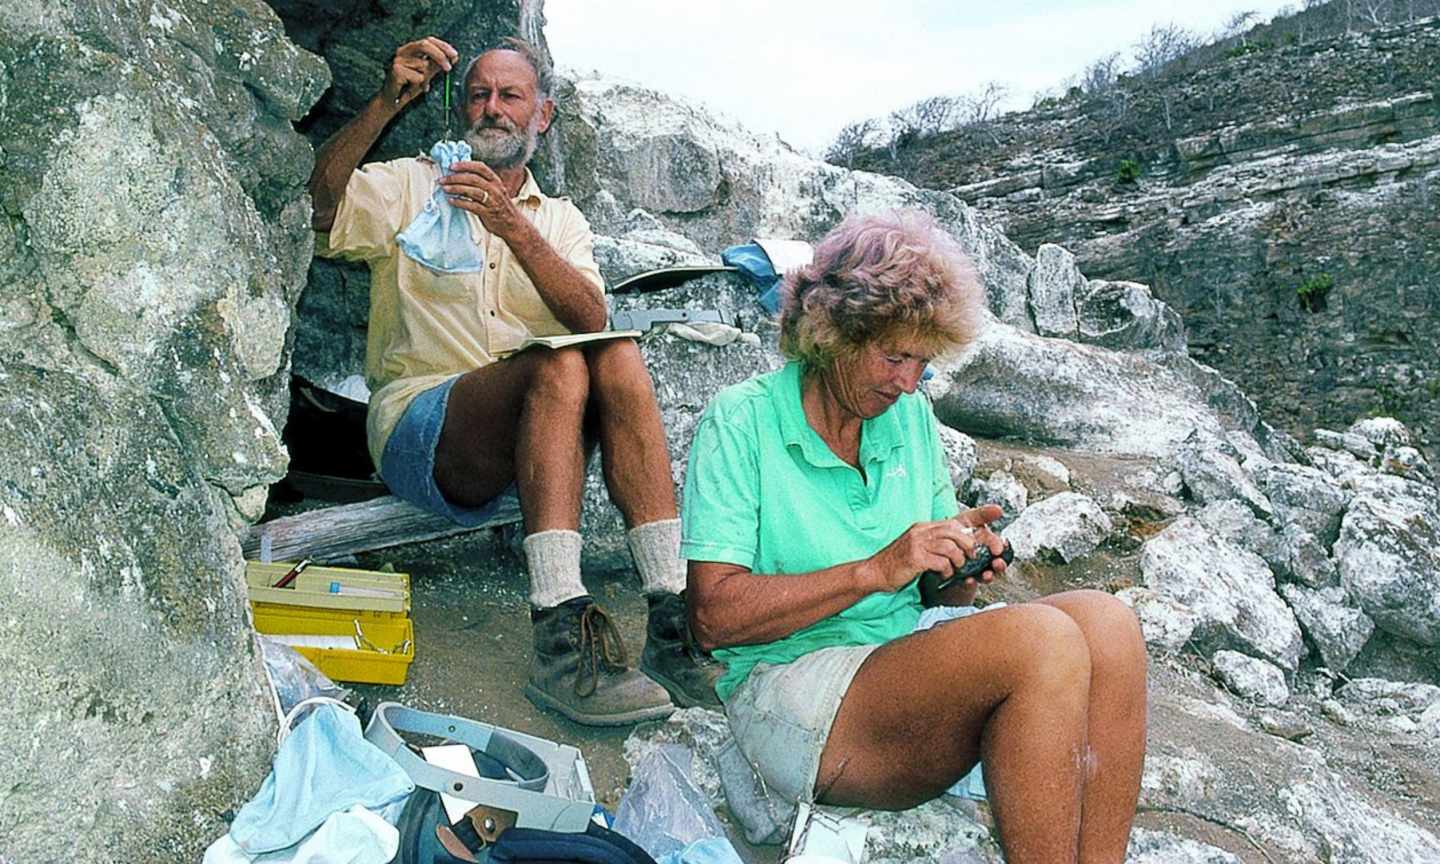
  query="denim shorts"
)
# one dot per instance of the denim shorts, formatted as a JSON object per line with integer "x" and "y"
{"x": 407, "y": 464}
{"x": 781, "y": 715}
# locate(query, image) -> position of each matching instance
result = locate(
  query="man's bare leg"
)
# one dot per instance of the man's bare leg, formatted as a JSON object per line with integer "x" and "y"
{"x": 521, "y": 419}
{"x": 633, "y": 452}
{"x": 636, "y": 462}
{"x": 518, "y": 420}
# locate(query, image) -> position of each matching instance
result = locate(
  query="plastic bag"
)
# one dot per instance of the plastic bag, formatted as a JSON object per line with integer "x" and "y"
{"x": 663, "y": 812}
{"x": 293, "y": 678}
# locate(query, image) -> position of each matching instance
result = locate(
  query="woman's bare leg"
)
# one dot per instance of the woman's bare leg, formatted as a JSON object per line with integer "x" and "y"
{"x": 1011, "y": 685}
{"x": 1116, "y": 724}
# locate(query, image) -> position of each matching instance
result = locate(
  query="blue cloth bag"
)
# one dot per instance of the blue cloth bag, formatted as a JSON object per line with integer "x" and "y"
{"x": 750, "y": 259}
{"x": 324, "y": 766}
{"x": 439, "y": 237}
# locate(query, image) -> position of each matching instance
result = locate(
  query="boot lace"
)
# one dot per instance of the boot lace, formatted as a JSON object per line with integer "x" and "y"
{"x": 601, "y": 649}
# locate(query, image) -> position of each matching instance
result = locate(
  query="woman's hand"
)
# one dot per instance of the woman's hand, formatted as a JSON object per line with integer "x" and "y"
{"x": 977, "y": 520}
{"x": 942, "y": 546}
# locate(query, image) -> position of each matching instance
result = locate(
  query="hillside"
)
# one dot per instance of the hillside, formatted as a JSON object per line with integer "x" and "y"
{"x": 1280, "y": 196}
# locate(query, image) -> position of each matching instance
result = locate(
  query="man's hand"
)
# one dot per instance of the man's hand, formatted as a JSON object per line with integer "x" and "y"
{"x": 414, "y": 65}
{"x": 475, "y": 186}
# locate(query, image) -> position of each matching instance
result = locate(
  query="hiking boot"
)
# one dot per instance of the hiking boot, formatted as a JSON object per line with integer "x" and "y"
{"x": 672, "y": 658}
{"x": 581, "y": 670}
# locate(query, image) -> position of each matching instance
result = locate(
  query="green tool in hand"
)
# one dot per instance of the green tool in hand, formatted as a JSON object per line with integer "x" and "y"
{"x": 449, "y": 115}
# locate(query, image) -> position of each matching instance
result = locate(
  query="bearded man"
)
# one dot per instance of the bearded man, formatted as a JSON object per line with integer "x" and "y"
{"x": 452, "y": 426}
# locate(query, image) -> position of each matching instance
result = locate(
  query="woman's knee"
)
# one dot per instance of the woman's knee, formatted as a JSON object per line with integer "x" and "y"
{"x": 1054, "y": 647}
{"x": 1111, "y": 627}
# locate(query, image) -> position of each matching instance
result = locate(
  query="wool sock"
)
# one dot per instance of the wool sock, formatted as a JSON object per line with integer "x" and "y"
{"x": 553, "y": 559}
{"x": 655, "y": 546}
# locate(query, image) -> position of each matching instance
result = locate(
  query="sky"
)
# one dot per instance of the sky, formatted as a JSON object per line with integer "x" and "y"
{"x": 805, "y": 68}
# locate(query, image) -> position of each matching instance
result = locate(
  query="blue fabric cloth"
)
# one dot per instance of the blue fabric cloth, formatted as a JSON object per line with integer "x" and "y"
{"x": 752, "y": 261}
{"x": 356, "y": 836}
{"x": 972, "y": 785}
{"x": 439, "y": 236}
{"x": 408, "y": 464}
{"x": 323, "y": 767}
{"x": 711, "y": 850}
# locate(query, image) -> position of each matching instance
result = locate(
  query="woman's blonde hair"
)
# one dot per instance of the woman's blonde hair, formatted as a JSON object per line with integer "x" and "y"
{"x": 889, "y": 278}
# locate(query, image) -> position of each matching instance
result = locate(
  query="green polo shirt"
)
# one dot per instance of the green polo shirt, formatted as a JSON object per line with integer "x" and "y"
{"x": 763, "y": 491}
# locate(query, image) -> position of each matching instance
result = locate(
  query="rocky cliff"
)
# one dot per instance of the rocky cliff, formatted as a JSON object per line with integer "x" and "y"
{"x": 1281, "y": 198}
{"x": 152, "y": 248}
{"x": 157, "y": 240}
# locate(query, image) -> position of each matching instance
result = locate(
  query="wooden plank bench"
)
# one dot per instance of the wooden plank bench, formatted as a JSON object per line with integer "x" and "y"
{"x": 332, "y": 532}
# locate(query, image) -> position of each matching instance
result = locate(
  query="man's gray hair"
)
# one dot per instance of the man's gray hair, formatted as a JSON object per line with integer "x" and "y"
{"x": 544, "y": 71}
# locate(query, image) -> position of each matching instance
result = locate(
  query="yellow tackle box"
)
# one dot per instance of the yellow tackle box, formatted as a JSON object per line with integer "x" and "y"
{"x": 332, "y": 606}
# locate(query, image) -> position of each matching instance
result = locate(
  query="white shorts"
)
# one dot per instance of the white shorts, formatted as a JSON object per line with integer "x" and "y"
{"x": 781, "y": 716}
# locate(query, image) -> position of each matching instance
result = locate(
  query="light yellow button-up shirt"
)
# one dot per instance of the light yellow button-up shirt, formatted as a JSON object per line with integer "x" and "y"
{"x": 425, "y": 326}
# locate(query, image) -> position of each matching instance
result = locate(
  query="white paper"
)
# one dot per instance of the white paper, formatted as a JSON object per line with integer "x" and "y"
{"x": 457, "y": 758}
{"x": 298, "y": 640}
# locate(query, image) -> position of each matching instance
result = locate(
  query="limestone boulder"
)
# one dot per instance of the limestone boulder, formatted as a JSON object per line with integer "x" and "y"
{"x": 1053, "y": 391}
{"x": 1338, "y": 629}
{"x": 1379, "y": 696}
{"x": 1157, "y": 847}
{"x": 1354, "y": 443}
{"x": 1001, "y": 487}
{"x": 1062, "y": 528}
{"x": 1251, "y": 679}
{"x": 156, "y": 240}
{"x": 1054, "y": 283}
{"x": 643, "y": 250}
{"x": 1126, "y": 316}
{"x": 960, "y": 457}
{"x": 1166, "y": 623}
{"x": 1388, "y": 555}
{"x": 1382, "y": 432}
{"x": 1230, "y": 589}
{"x": 1214, "y": 474}
{"x": 1304, "y": 497}
{"x": 1306, "y": 559}
{"x": 1232, "y": 520}
{"x": 1338, "y": 463}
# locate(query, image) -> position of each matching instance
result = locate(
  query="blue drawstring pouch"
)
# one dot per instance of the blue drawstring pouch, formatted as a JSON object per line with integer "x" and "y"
{"x": 439, "y": 237}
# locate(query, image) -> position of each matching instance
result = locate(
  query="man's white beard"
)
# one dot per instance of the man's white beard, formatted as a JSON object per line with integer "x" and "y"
{"x": 502, "y": 145}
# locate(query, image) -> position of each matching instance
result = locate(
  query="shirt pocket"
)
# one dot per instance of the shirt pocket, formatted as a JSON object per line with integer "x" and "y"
{"x": 519, "y": 298}
{"x": 449, "y": 287}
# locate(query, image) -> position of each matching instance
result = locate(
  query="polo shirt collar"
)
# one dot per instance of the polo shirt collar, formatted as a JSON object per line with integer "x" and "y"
{"x": 879, "y": 436}
{"x": 530, "y": 191}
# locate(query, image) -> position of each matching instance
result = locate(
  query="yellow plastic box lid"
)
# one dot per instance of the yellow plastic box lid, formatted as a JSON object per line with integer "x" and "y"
{"x": 329, "y": 587}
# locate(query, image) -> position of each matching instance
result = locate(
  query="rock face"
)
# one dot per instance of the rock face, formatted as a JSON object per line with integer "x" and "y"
{"x": 155, "y": 242}
{"x": 1284, "y": 206}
